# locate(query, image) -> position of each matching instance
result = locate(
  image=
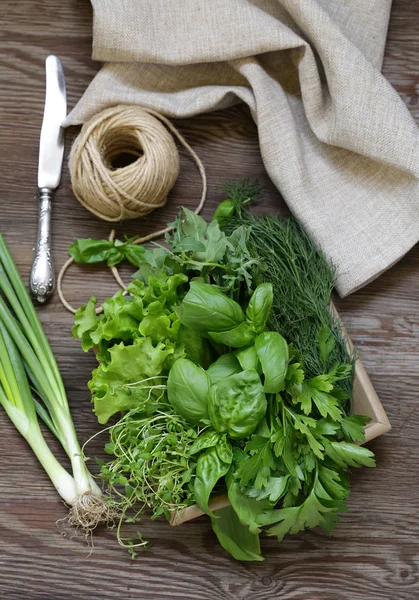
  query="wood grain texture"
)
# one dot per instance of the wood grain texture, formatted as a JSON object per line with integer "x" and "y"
{"x": 374, "y": 552}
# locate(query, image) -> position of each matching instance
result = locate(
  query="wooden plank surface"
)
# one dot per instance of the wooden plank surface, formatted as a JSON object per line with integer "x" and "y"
{"x": 374, "y": 552}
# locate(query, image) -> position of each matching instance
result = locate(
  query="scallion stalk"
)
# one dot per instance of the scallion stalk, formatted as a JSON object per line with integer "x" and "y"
{"x": 26, "y": 356}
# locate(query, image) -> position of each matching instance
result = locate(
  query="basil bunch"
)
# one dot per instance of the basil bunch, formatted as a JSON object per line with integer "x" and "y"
{"x": 230, "y": 397}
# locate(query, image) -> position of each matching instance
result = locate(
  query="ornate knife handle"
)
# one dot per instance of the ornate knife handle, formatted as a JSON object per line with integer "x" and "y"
{"x": 41, "y": 282}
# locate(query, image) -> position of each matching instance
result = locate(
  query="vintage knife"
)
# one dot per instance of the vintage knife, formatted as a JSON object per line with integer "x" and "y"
{"x": 51, "y": 150}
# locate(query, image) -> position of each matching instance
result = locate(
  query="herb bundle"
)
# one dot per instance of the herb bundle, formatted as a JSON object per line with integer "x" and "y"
{"x": 232, "y": 376}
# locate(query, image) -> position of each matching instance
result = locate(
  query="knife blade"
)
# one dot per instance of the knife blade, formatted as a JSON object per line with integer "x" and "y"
{"x": 51, "y": 152}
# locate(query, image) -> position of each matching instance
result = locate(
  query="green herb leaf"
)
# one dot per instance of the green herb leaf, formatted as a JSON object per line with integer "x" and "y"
{"x": 317, "y": 390}
{"x": 187, "y": 390}
{"x": 124, "y": 383}
{"x": 209, "y": 469}
{"x": 88, "y": 251}
{"x": 260, "y": 305}
{"x": 247, "y": 509}
{"x": 326, "y": 343}
{"x": 235, "y": 537}
{"x": 205, "y": 308}
{"x": 272, "y": 351}
{"x": 224, "y": 450}
{"x": 335, "y": 483}
{"x": 223, "y": 367}
{"x": 237, "y": 404}
{"x": 274, "y": 489}
{"x": 257, "y": 468}
{"x": 248, "y": 359}
{"x": 208, "y": 439}
{"x": 350, "y": 455}
{"x": 240, "y": 336}
{"x": 353, "y": 428}
{"x": 310, "y": 513}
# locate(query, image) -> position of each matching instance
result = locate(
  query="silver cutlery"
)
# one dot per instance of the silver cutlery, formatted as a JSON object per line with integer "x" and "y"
{"x": 51, "y": 151}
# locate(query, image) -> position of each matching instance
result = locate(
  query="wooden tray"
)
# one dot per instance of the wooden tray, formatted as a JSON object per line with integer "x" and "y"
{"x": 364, "y": 402}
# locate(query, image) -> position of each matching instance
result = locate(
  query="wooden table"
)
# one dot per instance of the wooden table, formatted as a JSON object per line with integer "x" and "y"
{"x": 374, "y": 553}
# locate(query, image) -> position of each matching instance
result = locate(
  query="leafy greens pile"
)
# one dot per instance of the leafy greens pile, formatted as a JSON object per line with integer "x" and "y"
{"x": 215, "y": 398}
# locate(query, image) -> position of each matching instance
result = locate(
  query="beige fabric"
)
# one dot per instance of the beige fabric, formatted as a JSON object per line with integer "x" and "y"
{"x": 335, "y": 137}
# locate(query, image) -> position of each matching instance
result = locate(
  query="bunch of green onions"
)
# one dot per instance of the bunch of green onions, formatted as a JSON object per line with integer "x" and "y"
{"x": 31, "y": 387}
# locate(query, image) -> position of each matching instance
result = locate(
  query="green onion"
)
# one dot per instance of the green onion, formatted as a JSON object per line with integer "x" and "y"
{"x": 27, "y": 368}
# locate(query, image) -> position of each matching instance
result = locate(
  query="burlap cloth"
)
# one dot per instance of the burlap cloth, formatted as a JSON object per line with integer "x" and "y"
{"x": 336, "y": 139}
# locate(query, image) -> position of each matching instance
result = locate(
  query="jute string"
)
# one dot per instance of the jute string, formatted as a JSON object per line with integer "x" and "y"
{"x": 114, "y": 194}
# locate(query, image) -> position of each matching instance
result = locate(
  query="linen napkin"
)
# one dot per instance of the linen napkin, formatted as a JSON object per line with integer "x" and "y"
{"x": 335, "y": 138}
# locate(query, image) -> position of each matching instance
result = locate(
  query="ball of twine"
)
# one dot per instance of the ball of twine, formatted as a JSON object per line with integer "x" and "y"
{"x": 134, "y": 190}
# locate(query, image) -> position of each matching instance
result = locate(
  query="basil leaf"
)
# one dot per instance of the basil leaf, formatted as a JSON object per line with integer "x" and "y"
{"x": 260, "y": 306}
{"x": 197, "y": 348}
{"x": 272, "y": 351}
{"x": 209, "y": 469}
{"x": 224, "y": 450}
{"x": 187, "y": 390}
{"x": 225, "y": 209}
{"x": 240, "y": 336}
{"x": 237, "y": 404}
{"x": 235, "y": 537}
{"x": 88, "y": 251}
{"x": 136, "y": 254}
{"x": 205, "y": 308}
{"x": 223, "y": 367}
{"x": 248, "y": 358}
{"x": 209, "y": 439}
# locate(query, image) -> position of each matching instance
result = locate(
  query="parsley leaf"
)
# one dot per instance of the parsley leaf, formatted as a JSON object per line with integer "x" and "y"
{"x": 257, "y": 468}
{"x": 350, "y": 455}
{"x": 353, "y": 428}
{"x": 318, "y": 390}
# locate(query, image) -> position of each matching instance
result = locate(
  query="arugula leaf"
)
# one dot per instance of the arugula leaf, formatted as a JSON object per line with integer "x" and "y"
{"x": 353, "y": 428}
{"x": 350, "y": 455}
